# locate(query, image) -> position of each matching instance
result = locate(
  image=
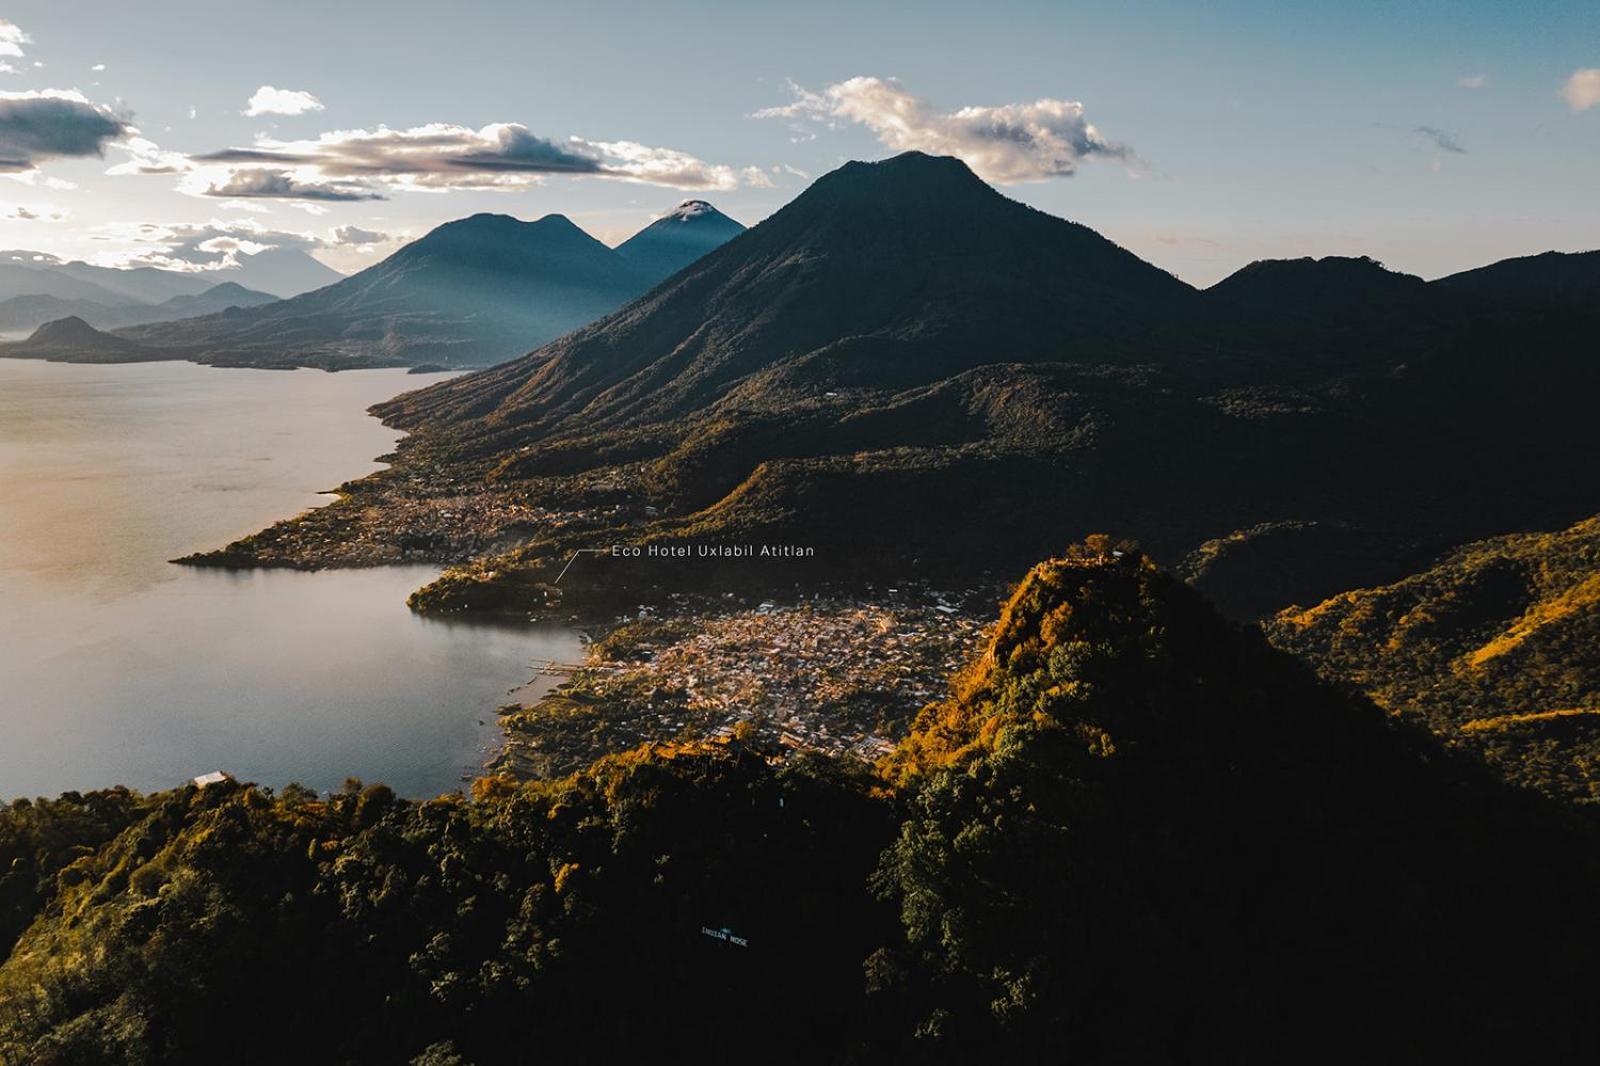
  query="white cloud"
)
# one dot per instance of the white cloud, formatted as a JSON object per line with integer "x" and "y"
{"x": 12, "y": 39}
{"x": 270, "y": 101}
{"x": 442, "y": 156}
{"x": 1582, "y": 90}
{"x": 1006, "y": 144}
{"x": 1473, "y": 81}
{"x": 98, "y": 67}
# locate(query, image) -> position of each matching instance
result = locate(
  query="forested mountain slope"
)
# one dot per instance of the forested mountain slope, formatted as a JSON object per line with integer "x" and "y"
{"x": 1133, "y": 830}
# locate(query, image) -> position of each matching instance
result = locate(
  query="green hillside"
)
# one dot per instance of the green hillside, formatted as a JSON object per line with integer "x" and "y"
{"x": 1496, "y": 648}
{"x": 1132, "y": 831}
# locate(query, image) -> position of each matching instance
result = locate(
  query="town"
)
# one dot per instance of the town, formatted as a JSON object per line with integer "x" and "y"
{"x": 828, "y": 673}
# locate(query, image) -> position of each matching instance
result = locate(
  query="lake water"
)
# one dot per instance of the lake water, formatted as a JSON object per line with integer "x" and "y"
{"x": 117, "y": 667}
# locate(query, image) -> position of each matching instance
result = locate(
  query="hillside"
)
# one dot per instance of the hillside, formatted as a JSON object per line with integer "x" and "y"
{"x": 1132, "y": 830}
{"x": 72, "y": 340}
{"x": 1496, "y": 648}
{"x": 470, "y": 292}
{"x": 901, "y": 338}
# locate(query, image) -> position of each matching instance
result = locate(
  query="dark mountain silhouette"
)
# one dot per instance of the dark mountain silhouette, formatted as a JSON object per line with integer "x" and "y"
{"x": 1314, "y": 286}
{"x": 675, "y": 240}
{"x": 470, "y": 292}
{"x": 1570, "y": 277}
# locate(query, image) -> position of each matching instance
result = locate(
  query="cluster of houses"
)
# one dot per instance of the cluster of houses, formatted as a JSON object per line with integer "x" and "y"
{"x": 827, "y": 675}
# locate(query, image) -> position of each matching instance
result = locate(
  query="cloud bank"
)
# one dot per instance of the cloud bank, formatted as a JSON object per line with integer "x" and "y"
{"x": 1006, "y": 144}
{"x": 40, "y": 125}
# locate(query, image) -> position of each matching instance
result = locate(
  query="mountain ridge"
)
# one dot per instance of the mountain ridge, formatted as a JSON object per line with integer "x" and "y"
{"x": 468, "y": 292}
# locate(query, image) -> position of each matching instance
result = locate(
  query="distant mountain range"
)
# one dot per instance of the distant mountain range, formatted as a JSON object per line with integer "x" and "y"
{"x": 277, "y": 271}
{"x": 27, "y": 313}
{"x": 470, "y": 292}
{"x": 36, "y": 287}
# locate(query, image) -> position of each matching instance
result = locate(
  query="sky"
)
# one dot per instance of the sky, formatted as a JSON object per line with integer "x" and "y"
{"x": 1434, "y": 136}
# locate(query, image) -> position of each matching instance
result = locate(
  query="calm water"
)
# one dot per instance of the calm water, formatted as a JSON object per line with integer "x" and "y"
{"x": 117, "y": 667}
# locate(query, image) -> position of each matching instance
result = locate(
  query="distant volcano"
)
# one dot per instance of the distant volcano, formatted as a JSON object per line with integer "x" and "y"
{"x": 470, "y": 292}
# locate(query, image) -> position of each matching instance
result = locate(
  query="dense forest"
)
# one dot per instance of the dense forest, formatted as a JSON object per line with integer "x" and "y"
{"x": 1133, "y": 832}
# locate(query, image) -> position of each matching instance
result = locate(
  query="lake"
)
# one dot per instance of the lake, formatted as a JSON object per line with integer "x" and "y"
{"x": 117, "y": 667}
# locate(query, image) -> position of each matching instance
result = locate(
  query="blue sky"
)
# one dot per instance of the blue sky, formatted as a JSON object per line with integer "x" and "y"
{"x": 1434, "y": 136}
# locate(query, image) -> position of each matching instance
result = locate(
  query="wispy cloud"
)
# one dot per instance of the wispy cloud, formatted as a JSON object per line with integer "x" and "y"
{"x": 1582, "y": 90}
{"x": 442, "y": 156}
{"x": 263, "y": 183}
{"x": 270, "y": 101}
{"x": 1008, "y": 143}
{"x": 1473, "y": 81}
{"x": 1442, "y": 139}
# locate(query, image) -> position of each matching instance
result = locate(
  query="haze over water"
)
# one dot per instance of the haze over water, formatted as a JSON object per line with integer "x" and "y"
{"x": 117, "y": 667}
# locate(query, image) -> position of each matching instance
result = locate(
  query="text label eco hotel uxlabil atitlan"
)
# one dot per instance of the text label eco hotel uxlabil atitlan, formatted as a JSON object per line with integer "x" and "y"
{"x": 713, "y": 551}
